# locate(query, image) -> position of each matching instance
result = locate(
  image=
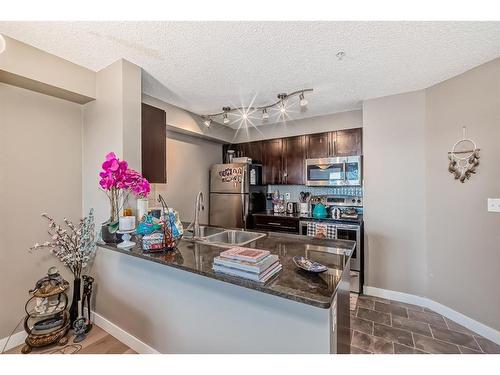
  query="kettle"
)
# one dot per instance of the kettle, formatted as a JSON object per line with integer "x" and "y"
{"x": 319, "y": 211}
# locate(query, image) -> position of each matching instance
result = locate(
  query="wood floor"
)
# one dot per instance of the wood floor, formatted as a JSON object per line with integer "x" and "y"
{"x": 97, "y": 342}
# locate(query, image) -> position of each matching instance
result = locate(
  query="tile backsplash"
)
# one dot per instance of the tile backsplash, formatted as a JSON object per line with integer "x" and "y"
{"x": 295, "y": 190}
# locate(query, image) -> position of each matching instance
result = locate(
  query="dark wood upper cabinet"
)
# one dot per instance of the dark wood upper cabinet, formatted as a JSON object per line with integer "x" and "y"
{"x": 318, "y": 145}
{"x": 253, "y": 150}
{"x": 293, "y": 160}
{"x": 283, "y": 159}
{"x": 154, "y": 144}
{"x": 348, "y": 142}
{"x": 272, "y": 161}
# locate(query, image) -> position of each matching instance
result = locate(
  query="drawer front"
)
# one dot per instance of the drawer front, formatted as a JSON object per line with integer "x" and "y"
{"x": 276, "y": 224}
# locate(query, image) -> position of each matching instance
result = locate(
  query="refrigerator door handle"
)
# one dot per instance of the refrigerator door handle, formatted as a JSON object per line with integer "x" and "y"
{"x": 244, "y": 211}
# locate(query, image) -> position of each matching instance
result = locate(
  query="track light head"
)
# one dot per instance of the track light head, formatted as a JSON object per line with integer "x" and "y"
{"x": 282, "y": 107}
{"x": 225, "y": 118}
{"x": 265, "y": 115}
{"x": 303, "y": 100}
{"x": 207, "y": 122}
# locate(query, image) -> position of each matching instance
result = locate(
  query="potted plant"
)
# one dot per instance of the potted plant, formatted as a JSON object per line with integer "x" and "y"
{"x": 74, "y": 245}
{"x": 118, "y": 181}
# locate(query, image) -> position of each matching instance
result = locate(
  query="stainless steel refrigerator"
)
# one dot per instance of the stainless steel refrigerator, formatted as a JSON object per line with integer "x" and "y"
{"x": 235, "y": 193}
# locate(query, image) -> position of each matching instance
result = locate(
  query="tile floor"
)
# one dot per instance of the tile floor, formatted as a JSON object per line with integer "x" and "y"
{"x": 380, "y": 325}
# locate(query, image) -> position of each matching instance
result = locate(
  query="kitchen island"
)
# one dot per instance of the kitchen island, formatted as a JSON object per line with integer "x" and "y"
{"x": 175, "y": 303}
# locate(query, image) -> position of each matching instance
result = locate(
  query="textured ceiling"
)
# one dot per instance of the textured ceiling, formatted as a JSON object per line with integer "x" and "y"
{"x": 202, "y": 66}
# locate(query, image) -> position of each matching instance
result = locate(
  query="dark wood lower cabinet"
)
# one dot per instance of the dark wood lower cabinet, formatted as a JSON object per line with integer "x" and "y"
{"x": 276, "y": 224}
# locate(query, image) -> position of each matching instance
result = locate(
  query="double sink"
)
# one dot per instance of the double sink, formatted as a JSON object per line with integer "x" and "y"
{"x": 224, "y": 237}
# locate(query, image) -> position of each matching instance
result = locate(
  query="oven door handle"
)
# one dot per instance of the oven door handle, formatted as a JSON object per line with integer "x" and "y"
{"x": 348, "y": 227}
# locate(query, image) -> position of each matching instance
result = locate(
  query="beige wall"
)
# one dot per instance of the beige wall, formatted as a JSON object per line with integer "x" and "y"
{"x": 463, "y": 238}
{"x": 394, "y": 195}
{"x": 111, "y": 123}
{"x": 40, "y": 171}
{"x": 428, "y": 234}
{"x": 336, "y": 121}
{"x": 188, "y": 162}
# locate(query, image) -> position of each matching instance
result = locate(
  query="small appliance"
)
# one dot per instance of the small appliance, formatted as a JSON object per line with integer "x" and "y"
{"x": 291, "y": 207}
{"x": 349, "y": 213}
{"x": 319, "y": 211}
{"x": 338, "y": 171}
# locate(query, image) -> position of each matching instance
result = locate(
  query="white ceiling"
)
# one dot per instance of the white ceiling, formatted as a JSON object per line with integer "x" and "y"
{"x": 202, "y": 66}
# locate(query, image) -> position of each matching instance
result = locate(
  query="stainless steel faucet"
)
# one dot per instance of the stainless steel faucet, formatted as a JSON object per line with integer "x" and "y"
{"x": 198, "y": 206}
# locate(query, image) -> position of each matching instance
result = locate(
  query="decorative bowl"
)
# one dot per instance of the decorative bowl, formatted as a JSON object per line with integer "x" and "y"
{"x": 309, "y": 265}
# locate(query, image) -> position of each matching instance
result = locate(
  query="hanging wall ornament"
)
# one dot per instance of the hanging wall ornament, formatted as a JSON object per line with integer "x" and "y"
{"x": 464, "y": 158}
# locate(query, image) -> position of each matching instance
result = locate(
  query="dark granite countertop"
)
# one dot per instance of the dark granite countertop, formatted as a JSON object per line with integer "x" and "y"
{"x": 299, "y": 216}
{"x": 291, "y": 282}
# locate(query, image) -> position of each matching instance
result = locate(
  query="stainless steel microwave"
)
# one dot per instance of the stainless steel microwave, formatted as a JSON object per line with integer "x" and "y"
{"x": 338, "y": 171}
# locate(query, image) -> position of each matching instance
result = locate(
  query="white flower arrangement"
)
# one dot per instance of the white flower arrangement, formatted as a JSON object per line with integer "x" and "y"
{"x": 73, "y": 246}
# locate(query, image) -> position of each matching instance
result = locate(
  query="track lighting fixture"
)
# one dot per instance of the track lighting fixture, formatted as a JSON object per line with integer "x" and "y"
{"x": 282, "y": 104}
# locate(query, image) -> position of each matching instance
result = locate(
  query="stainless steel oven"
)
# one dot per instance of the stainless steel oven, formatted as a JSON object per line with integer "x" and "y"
{"x": 339, "y": 171}
{"x": 350, "y": 232}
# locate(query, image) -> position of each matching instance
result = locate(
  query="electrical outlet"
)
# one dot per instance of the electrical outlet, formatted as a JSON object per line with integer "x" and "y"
{"x": 493, "y": 205}
{"x": 287, "y": 196}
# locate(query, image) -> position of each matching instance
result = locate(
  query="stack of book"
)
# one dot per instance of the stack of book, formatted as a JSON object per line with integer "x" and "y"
{"x": 252, "y": 264}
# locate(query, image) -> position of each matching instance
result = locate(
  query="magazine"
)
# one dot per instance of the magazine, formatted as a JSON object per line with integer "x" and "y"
{"x": 248, "y": 275}
{"x": 245, "y": 253}
{"x": 257, "y": 267}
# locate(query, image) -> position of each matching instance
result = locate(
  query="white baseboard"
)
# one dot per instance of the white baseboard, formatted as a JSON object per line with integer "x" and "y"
{"x": 15, "y": 340}
{"x": 125, "y": 337}
{"x": 473, "y": 325}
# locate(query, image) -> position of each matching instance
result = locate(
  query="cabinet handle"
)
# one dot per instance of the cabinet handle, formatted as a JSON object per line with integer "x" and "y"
{"x": 270, "y": 223}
